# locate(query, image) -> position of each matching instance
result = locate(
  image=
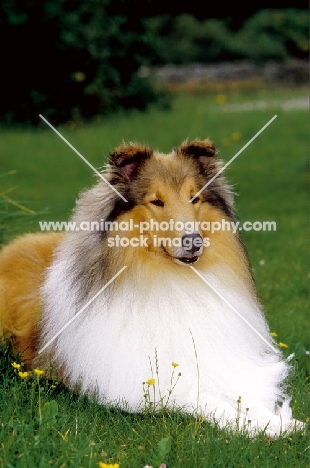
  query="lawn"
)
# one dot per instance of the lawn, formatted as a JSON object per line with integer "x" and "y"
{"x": 42, "y": 424}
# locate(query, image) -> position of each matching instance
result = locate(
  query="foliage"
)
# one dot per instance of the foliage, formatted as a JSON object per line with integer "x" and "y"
{"x": 74, "y": 60}
{"x": 274, "y": 35}
{"x": 185, "y": 39}
{"x": 267, "y": 35}
{"x": 71, "y": 60}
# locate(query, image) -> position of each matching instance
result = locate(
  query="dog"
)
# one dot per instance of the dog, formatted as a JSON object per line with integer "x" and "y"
{"x": 185, "y": 298}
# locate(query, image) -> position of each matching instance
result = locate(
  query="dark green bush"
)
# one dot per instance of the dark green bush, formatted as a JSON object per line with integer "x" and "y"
{"x": 71, "y": 59}
{"x": 274, "y": 35}
{"x": 185, "y": 39}
{"x": 267, "y": 35}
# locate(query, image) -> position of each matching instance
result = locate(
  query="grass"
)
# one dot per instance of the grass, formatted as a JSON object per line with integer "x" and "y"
{"x": 45, "y": 426}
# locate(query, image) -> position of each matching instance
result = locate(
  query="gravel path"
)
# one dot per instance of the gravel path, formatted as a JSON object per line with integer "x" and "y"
{"x": 295, "y": 72}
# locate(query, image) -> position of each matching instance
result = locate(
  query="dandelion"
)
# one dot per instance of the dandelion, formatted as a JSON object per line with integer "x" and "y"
{"x": 38, "y": 371}
{"x": 174, "y": 364}
{"x": 151, "y": 382}
{"x": 274, "y": 334}
{"x": 283, "y": 345}
{"x": 23, "y": 375}
{"x": 15, "y": 365}
{"x": 108, "y": 465}
{"x": 79, "y": 76}
{"x": 221, "y": 99}
{"x": 235, "y": 136}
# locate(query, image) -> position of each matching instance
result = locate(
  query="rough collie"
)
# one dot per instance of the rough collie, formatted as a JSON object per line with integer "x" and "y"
{"x": 174, "y": 305}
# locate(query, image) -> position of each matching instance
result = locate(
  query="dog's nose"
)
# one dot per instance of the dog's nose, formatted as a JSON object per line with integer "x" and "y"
{"x": 192, "y": 243}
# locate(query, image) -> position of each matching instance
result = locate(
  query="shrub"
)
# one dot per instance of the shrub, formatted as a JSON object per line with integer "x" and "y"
{"x": 185, "y": 39}
{"x": 274, "y": 35}
{"x": 267, "y": 35}
{"x": 71, "y": 60}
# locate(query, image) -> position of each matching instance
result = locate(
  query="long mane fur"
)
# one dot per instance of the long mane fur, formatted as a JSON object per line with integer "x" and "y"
{"x": 158, "y": 312}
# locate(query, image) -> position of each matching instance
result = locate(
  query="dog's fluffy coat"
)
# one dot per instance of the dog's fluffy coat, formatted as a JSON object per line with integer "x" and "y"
{"x": 158, "y": 311}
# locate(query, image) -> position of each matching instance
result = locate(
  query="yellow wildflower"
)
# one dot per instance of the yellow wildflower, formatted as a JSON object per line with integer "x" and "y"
{"x": 15, "y": 365}
{"x": 221, "y": 99}
{"x": 23, "y": 375}
{"x": 151, "y": 381}
{"x": 79, "y": 76}
{"x": 274, "y": 334}
{"x": 174, "y": 364}
{"x": 235, "y": 136}
{"x": 283, "y": 345}
{"x": 108, "y": 465}
{"x": 38, "y": 371}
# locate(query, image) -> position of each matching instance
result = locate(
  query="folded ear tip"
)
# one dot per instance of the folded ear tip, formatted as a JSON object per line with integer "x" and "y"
{"x": 124, "y": 152}
{"x": 128, "y": 158}
{"x": 198, "y": 148}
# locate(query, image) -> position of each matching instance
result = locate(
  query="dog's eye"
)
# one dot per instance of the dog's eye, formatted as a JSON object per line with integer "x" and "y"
{"x": 195, "y": 200}
{"x": 157, "y": 202}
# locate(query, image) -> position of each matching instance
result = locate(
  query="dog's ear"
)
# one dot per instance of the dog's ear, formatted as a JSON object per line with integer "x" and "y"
{"x": 128, "y": 159}
{"x": 202, "y": 151}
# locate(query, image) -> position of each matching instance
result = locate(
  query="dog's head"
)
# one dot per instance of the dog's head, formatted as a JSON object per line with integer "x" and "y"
{"x": 170, "y": 197}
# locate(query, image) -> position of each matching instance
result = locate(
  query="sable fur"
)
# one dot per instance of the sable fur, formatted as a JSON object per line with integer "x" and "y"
{"x": 158, "y": 310}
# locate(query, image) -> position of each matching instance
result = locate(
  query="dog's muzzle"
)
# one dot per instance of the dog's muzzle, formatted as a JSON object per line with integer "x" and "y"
{"x": 190, "y": 250}
{"x": 192, "y": 245}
